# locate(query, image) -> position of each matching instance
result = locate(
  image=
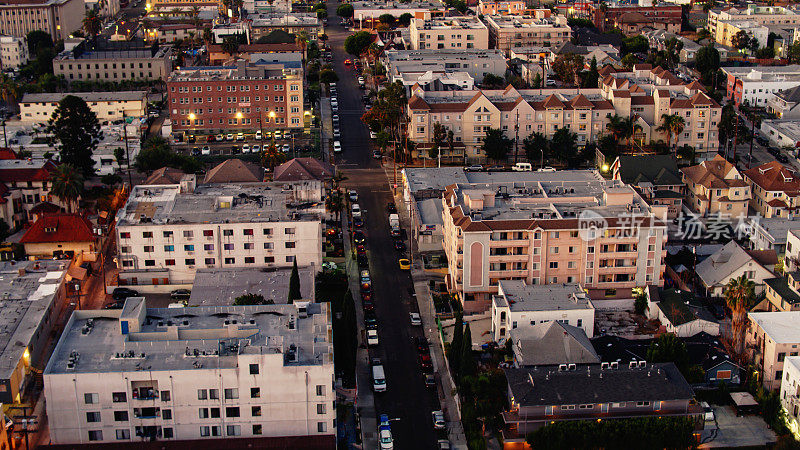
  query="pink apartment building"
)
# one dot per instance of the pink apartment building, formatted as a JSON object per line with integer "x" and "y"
{"x": 595, "y": 232}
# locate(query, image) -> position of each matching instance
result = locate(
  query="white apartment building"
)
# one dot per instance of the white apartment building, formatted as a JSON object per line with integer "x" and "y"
{"x": 569, "y": 227}
{"x": 448, "y": 33}
{"x": 109, "y": 106}
{"x": 509, "y": 32}
{"x": 790, "y": 391}
{"x": 517, "y": 306}
{"x": 762, "y": 15}
{"x": 166, "y": 232}
{"x": 13, "y": 51}
{"x": 757, "y": 86}
{"x": 477, "y": 63}
{"x": 771, "y": 338}
{"x": 141, "y": 373}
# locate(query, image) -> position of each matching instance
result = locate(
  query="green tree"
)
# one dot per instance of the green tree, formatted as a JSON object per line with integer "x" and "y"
{"x": 592, "y": 77}
{"x": 110, "y": 179}
{"x": 387, "y": 19}
{"x": 496, "y": 145}
{"x": 793, "y": 53}
{"x": 739, "y": 295}
{"x": 67, "y": 185}
{"x": 455, "y": 350}
{"x": 629, "y": 60}
{"x": 156, "y": 153}
{"x": 492, "y": 81}
{"x": 537, "y": 81}
{"x": 92, "y": 23}
{"x": 438, "y": 137}
{"x": 230, "y": 45}
{"x": 622, "y": 128}
{"x": 741, "y": 40}
{"x": 564, "y": 145}
{"x": 77, "y": 131}
{"x": 119, "y": 156}
{"x": 38, "y": 40}
{"x": 707, "y": 63}
{"x": 567, "y": 67}
{"x": 536, "y": 147}
{"x": 673, "y": 49}
{"x": 645, "y": 433}
{"x": 635, "y": 44}
{"x": 468, "y": 365}
{"x": 328, "y": 76}
{"x": 357, "y": 43}
{"x": 294, "y": 283}
{"x": 669, "y": 348}
{"x": 251, "y": 299}
{"x": 671, "y": 124}
{"x": 345, "y": 10}
{"x": 640, "y": 304}
{"x": 405, "y": 19}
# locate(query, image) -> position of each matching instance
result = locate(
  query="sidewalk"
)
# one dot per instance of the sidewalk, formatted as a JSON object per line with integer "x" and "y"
{"x": 365, "y": 402}
{"x": 420, "y": 277}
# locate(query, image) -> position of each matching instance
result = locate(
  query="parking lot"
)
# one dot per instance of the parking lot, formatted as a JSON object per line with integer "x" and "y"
{"x": 730, "y": 431}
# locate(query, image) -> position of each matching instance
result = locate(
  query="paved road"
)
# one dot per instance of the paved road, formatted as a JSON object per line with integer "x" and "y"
{"x": 406, "y": 398}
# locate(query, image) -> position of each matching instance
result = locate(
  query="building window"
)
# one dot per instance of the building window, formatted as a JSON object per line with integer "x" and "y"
{"x": 93, "y": 416}
{"x": 168, "y": 433}
{"x": 119, "y": 397}
{"x": 320, "y": 389}
{"x": 255, "y": 411}
{"x": 320, "y": 408}
{"x": 202, "y": 413}
{"x": 165, "y": 396}
{"x": 322, "y": 427}
{"x": 231, "y": 394}
{"x": 202, "y": 394}
{"x": 120, "y": 416}
{"x": 91, "y": 399}
{"x": 233, "y": 430}
{"x": 166, "y": 414}
{"x": 253, "y": 369}
{"x": 213, "y": 394}
{"x": 257, "y": 429}
{"x": 232, "y": 411}
{"x": 255, "y": 392}
{"x": 95, "y": 435}
{"x": 123, "y": 434}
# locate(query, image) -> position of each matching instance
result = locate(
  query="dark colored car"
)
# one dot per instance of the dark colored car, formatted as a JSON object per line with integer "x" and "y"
{"x": 370, "y": 320}
{"x": 361, "y": 249}
{"x": 191, "y": 139}
{"x": 395, "y": 233}
{"x": 358, "y": 223}
{"x": 122, "y": 293}
{"x": 180, "y": 294}
{"x": 421, "y": 344}
{"x": 358, "y": 237}
{"x": 363, "y": 262}
{"x": 430, "y": 381}
{"x": 366, "y": 296}
{"x": 211, "y": 138}
{"x": 425, "y": 362}
{"x": 496, "y": 169}
{"x": 368, "y": 306}
{"x": 391, "y": 208}
{"x": 399, "y": 245}
{"x": 782, "y": 158}
{"x": 115, "y": 305}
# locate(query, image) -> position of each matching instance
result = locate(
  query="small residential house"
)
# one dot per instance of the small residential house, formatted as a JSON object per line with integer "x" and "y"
{"x": 518, "y": 305}
{"x": 771, "y": 338}
{"x": 234, "y": 171}
{"x": 55, "y": 235}
{"x": 770, "y": 234}
{"x": 703, "y": 349}
{"x": 775, "y": 190}
{"x": 541, "y": 395}
{"x": 165, "y": 175}
{"x": 732, "y": 261}
{"x": 679, "y": 312}
{"x": 551, "y": 343}
{"x": 781, "y": 293}
{"x": 656, "y": 177}
{"x": 716, "y": 186}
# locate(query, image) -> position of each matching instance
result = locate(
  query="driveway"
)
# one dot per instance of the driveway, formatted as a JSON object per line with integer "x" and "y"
{"x": 732, "y": 431}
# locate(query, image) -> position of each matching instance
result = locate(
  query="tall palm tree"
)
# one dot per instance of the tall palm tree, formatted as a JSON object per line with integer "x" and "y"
{"x": 67, "y": 184}
{"x": 622, "y": 128}
{"x": 301, "y": 38}
{"x": 671, "y": 124}
{"x": 739, "y": 293}
{"x": 92, "y": 23}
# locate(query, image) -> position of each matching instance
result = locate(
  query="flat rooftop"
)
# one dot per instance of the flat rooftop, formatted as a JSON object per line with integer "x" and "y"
{"x": 790, "y": 128}
{"x": 264, "y": 71}
{"x": 54, "y": 97}
{"x": 423, "y": 5}
{"x": 520, "y": 297}
{"x": 220, "y": 287}
{"x": 781, "y": 326}
{"x": 427, "y": 55}
{"x": 294, "y": 19}
{"x": 120, "y": 53}
{"x": 450, "y": 23}
{"x": 434, "y": 178}
{"x": 190, "y": 338}
{"x": 522, "y": 22}
{"x": 223, "y": 203}
{"x": 29, "y": 290}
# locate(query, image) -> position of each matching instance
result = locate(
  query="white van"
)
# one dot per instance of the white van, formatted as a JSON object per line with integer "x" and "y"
{"x": 522, "y": 167}
{"x": 378, "y": 379}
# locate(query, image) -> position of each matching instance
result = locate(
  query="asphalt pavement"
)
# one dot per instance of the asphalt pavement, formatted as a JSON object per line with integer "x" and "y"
{"x": 407, "y": 401}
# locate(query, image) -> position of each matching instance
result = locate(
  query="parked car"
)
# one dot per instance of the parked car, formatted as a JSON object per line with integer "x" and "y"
{"x": 372, "y": 338}
{"x": 430, "y": 381}
{"x": 255, "y": 148}
{"x": 438, "y": 420}
{"x": 352, "y": 194}
{"x": 399, "y": 245}
{"x": 285, "y": 148}
{"x": 358, "y": 223}
{"x": 377, "y": 154}
{"x": 337, "y": 146}
{"x": 258, "y": 135}
{"x": 122, "y": 293}
{"x": 391, "y": 208}
{"x": 421, "y": 344}
{"x": 220, "y": 137}
{"x": 245, "y": 148}
{"x": 180, "y": 294}
{"x": 358, "y": 237}
{"x": 229, "y": 136}
{"x": 240, "y": 137}
{"x": 115, "y": 305}
{"x": 443, "y": 444}
{"x": 415, "y": 319}
{"x": 474, "y": 168}
{"x": 385, "y": 437}
{"x": 425, "y": 362}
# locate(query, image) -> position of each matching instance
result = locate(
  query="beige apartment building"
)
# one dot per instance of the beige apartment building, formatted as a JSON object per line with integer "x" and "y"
{"x": 716, "y": 187}
{"x": 775, "y": 188}
{"x": 762, "y": 15}
{"x": 13, "y": 51}
{"x": 58, "y": 18}
{"x": 469, "y": 114}
{"x": 509, "y": 32}
{"x": 563, "y": 227}
{"x": 113, "y": 64}
{"x": 770, "y": 338}
{"x": 448, "y": 33}
{"x": 110, "y": 106}
{"x": 648, "y": 93}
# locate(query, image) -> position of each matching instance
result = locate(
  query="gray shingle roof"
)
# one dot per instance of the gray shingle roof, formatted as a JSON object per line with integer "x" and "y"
{"x": 552, "y": 343}
{"x": 660, "y": 170}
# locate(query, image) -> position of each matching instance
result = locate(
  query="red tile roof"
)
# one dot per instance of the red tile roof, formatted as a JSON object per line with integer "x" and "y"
{"x": 25, "y": 174}
{"x": 773, "y": 176}
{"x": 59, "y": 228}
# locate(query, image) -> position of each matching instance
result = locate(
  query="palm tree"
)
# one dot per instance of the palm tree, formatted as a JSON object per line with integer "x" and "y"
{"x": 739, "y": 293}
{"x": 195, "y": 11}
{"x": 92, "y": 23}
{"x": 623, "y": 128}
{"x": 671, "y": 124}
{"x": 301, "y": 38}
{"x": 67, "y": 184}
{"x": 8, "y": 89}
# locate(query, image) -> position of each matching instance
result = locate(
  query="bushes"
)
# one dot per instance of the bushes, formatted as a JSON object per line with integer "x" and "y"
{"x": 639, "y": 433}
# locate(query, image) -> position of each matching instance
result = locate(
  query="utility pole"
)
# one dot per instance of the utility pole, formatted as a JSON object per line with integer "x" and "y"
{"x": 752, "y": 138}
{"x": 735, "y": 133}
{"x": 516, "y": 138}
{"x": 127, "y": 153}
